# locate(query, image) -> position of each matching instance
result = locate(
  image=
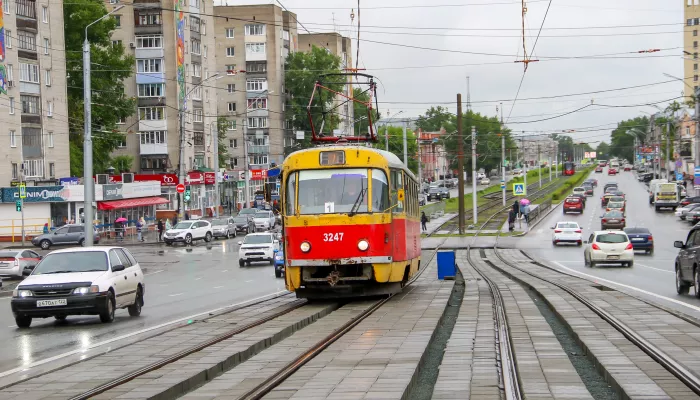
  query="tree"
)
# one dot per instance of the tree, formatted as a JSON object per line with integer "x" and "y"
{"x": 221, "y": 127}
{"x": 622, "y": 143}
{"x": 122, "y": 163}
{"x": 303, "y": 70}
{"x": 360, "y": 112}
{"x": 396, "y": 144}
{"x": 436, "y": 118}
{"x": 110, "y": 66}
{"x": 602, "y": 151}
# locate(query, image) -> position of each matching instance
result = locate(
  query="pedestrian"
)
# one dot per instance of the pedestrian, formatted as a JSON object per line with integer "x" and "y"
{"x": 174, "y": 221}
{"x": 423, "y": 221}
{"x": 516, "y": 207}
{"x": 187, "y": 216}
{"x": 512, "y": 214}
{"x": 167, "y": 224}
{"x": 46, "y": 227}
{"x": 526, "y": 212}
{"x": 139, "y": 227}
{"x": 160, "y": 230}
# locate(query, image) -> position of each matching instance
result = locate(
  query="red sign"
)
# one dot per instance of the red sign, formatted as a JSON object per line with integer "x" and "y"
{"x": 194, "y": 178}
{"x": 180, "y": 188}
{"x": 164, "y": 179}
{"x": 258, "y": 174}
{"x": 209, "y": 178}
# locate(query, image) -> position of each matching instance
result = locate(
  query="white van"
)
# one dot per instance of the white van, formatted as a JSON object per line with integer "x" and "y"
{"x": 652, "y": 188}
{"x": 615, "y": 164}
{"x": 666, "y": 195}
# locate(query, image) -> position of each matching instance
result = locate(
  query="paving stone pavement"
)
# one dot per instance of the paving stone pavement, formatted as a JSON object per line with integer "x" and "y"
{"x": 632, "y": 370}
{"x": 90, "y": 373}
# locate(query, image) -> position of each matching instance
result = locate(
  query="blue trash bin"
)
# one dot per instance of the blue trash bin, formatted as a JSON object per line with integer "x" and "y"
{"x": 446, "y": 264}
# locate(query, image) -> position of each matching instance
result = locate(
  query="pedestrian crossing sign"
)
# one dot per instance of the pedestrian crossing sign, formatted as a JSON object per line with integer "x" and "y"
{"x": 519, "y": 189}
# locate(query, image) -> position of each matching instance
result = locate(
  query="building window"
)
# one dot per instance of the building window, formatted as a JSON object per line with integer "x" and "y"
{"x": 149, "y": 65}
{"x": 52, "y": 170}
{"x": 256, "y": 85}
{"x": 47, "y": 77}
{"x": 233, "y": 143}
{"x": 13, "y": 139}
{"x": 695, "y": 32}
{"x": 256, "y": 67}
{"x": 204, "y": 51}
{"x": 149, "y": 42}
{"x": 257, "y": 160}
{"x": 695, "y": 55}
{"x": 118, "y": 18}
{"x": 121, "y": 120}
{"x": 28, "y": 72}
{"x": 197, "y": 93}
{"x": 232, "y": 107}
{"x": 696, "y": 21}
{"x": 151, "y": 113}
{"x": 116, "y": 43}
{"x": 15, "y": 169}
{"x": 49, "y": 108}
{"x": 257, "y": 104}
{"x": 695, "y": 78}
{"x": 254, "y": 29}
{"x": 196, "y": 70}
{"x": 45, "y": 14}
{"x": 198, "y": 115}
{"x": 149, "y": 19}
{"x": 30, "y": 104}
{"x": 6, "y": 7}
{"x": 33, "y": 168}
{"x": 196, "y": 47}
{"x": 50, "y": 139}
{"x": 198, "y": 138}
{"x": 230, "y": 52}
{"x": 195, "y": 24}
{"x": 231, "y": 69}
{"x": 26, "y": 40}
{"x": 231, "y": 87}
{"x": 12, "y": 105}
{"x": 47, "y": 44}
{"x": 155, "y": 137}
{"x": 229, "y": 33}
{"x": 255, "y": 48}
{"x": 231, "y": 126}
{"x": 8, "y": 37}
{"x": 695, "y": 44}
{"x": 151, "y": 90}
{"x": 122, "y": 144}
{"x": 690, "y": 21}
{"x": 233, "y": 162}
{"x": 194, "y": 3}
{"x": 26, "y": 8}
{"x": 257, "y": 122}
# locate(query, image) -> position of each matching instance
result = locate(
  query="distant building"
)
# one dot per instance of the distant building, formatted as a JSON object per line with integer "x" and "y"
{"x": 432, "y": 155}
{"x": 691, "y": 47}
{"x": 534, "y": 150}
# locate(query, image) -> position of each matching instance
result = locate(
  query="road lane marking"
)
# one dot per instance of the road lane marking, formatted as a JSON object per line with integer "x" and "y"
{"x": 248, "y": 281}
{"x": 177, "y": 294}
{"x": 218, "y": 287}
{"x": 154, "y": 272}
{"x": 658, "y": 269}
{"x": 198, "y": 279}
{"x": 128, "y": 335}
{"x": 225, "y": 270}
{"x": 692, "y": 307}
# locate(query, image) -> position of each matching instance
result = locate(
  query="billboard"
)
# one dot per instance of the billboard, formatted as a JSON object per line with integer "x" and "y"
{"x": 589, "y": 154}
{"x": 180, "y": 30}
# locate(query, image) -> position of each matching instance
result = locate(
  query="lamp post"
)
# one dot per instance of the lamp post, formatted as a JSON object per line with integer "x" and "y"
{"x": 87, "y": 137}
{"x": 245, "y": 147}
{"x": 696, "y": 97}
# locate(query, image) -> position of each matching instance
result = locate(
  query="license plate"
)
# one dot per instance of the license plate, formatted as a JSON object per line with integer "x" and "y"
{"x": 613, "y": 257}
{"x": 637, "y": 239}
{"x": 51, "y": 303}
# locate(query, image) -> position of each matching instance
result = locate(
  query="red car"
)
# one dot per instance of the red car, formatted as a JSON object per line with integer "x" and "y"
{"x": 599, "y": 170}
{"x": 628, "y": 168}
{"x": 573, "y": 204}
{"x": 612, "y": 171}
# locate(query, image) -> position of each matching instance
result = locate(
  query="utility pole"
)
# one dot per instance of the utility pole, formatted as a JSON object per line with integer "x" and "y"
{"x": 215, "y": 128}
{"x": 89, "y": 183}
{"x": 386, "y": 136}
{"x": 405, "y": 143}
{"x": 697, "y": 132}
{"x": 474, "y": 174}
{"x": 539, "y": 165}
{"x": 21, "y": 202}
{"x": 420, "y": 164}
{"x": 460, "y": 165}
{"x": 668, "y": 149}
{"x": 503, "y": 159}
{"x": 245, "y": 159}
{"x": 181, "y": 164}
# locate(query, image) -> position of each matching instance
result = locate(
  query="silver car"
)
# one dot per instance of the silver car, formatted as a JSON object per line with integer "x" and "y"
{"x": 223, "y": 227}
{"x": 14, "y": 262}
{"x": 67, "y": 234}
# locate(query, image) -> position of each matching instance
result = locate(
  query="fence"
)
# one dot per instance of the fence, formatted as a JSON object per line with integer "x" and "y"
{"x": 540, "y": 211}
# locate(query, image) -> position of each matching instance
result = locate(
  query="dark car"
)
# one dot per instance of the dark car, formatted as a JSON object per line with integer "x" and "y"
{"x": 435, "y": 193}
{"x": 445, "y": 193}
{"x": 690, "y": 200}
{"x": 589, "y": 189}
{"x": 422, "y": 199}
{"x": 592, "y": 181}
{"x": 686, "y": 261}
{"x": 646, "y": 177}
{"x": 610, "y": 185}
{"x": 612, "y": 220}
{"x": 67, "y": 234}
{"x": 572, "y": 204}
{"x": 641, "y": 239}
{"x": 244, "y": 223}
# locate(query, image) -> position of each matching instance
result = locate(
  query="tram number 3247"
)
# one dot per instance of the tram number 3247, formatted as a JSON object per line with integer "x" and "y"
{"x": 333, "y": 237}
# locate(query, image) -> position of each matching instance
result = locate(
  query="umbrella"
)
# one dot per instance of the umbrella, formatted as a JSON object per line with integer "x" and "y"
{"x": 524, "y": 202}
{"x": 120, "y": 219}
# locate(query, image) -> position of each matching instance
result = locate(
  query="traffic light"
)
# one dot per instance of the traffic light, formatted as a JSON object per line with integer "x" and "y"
{"x": 18, "y": 205}
{"x": 187, "y": 193}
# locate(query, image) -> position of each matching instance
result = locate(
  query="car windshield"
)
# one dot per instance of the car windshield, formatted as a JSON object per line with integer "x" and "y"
{"x": 240, "y": 220}
{"x": 83, "y": 261}
{"x": 572, "y": 199}
{"x": 219, "y": 222}
{"x": 570, "y": 225}
{"x": 613, "y": 214}
{"x": 616, "y": 204}
{"x": 616, "y": 199}
{"x": 257, "y": 239}
{"x": 183, "y": 225}
{"x": 579, "y": 189}
{"x": 262, "y": 214}
{"x": 637, "y": 230}
{"x": 246, "y": 211}
{"x": 611, "y": 238}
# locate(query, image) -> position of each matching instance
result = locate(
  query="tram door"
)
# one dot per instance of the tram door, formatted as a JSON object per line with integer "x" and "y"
{"x": 398, "y": 216}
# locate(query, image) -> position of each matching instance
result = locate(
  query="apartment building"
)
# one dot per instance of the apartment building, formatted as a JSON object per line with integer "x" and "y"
{"x": 537, "y": 149}
{"x": 342, "y": 47}
{"x": 35, "y": 116}
{"x": 256, "y": 39}
{"x": 691, "y": 47}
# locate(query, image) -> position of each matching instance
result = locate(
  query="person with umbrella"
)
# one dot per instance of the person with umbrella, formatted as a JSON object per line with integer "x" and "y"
{"x": 119, "y": 225}
{"x": 525, "y": 209}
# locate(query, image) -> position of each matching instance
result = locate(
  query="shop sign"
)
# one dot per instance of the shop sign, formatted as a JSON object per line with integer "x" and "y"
{"x": 258, "y": 174}
{"x": 117, "y": 191}
{"x": 71, "y": 180}
{"x": 37, "y": 194}
{"x": 112, "y": 191}
{"x": 194, "y": 178}
{"x": 164, "y": 179}
{"x": 209, "y": 178}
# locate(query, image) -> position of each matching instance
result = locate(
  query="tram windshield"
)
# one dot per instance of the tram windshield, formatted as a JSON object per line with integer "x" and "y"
{"x": 342, "y": 190}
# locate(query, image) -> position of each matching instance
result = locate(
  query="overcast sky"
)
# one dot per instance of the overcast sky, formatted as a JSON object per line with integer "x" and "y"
{"x": 444, "y": 73}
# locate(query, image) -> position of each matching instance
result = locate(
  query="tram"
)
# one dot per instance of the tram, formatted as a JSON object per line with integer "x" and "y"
{"x": 569, "y": 168}
{"x": 351, "y": 224}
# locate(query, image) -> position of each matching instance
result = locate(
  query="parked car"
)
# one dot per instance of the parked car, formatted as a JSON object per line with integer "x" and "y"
{"x": 257, "y": 247}
{"x": 223, "y": 227}
{"x": 279, "y": 263}
{"x": 80, "y": 281}
{"x": 645, "y": 177}
{"x": 247, "y": 211}
{"x": 612, "y": 171}
{"x": 567, "y": 232}
{"x": 485, "y": 181}
{"x": 14, "y": 262}
{"x": 480, "y": 175}
{"x": 612, "y": 220}
{"x": 641, "y": 239}
{"x": 682, "y": 212}
{"x": 690, "y": 200}
{"x": 693, "y": 216}
{"x": 580, "y": 190}
{"x": 188, "y": 231}
{"x": 628, "y": 167}
{"x": 572, "y": 204}
{"x": 244, "y": 223}
{"x": 599, "y": 170}
{"x": 444, "y": 193}
{"x": 608, "y": 247}
{"x": 264, "y": 220}
{"x": 687, "y": 260}
{"x": 67, "y": 234}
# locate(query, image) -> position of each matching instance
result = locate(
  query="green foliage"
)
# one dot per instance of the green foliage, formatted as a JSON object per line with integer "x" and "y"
{"x": 396, "y": 144}
{"x": 436, "y": 118}
{"x": 603, "y": 151}
{"x": 221, "y": 125}
{"x": 360, "y": 112}
{"x": 122, "y": 163}
{"x": 303, "y": 70}
{"x": 622, "y": 143}
{"x": 571, "y": 183}
{"x": 110, "y": 66}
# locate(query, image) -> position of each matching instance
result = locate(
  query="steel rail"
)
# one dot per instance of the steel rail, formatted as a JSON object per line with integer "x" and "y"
{"x": 686, "y": 376}
{"x": 184, "y": 353}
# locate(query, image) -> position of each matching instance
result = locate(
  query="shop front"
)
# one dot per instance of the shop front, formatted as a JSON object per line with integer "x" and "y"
{"x": 128, "y": 200}
{"x": 202, "y": 192}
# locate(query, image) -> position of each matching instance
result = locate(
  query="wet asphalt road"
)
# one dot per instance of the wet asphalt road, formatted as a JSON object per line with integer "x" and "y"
{"x": 652, "y": 275}
{"x": 180, "y": 282}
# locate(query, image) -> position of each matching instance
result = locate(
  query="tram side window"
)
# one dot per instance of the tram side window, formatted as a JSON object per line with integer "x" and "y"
{"x": 380, "y": 191}
{"x": 291, "y": 193}
{"x": 396, "y": 184}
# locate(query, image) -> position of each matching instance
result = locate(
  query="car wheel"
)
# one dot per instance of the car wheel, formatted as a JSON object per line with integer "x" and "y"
{"x": 207, "y": 237}
{"x": 591, "y": 264}
{"x": 45, "y": 244}
{"x": 23, "y": 321}
{"x": 554, "y": 242}
{"x": 81, "y": 242}
{"x": 241, "y": 263}
{"x": 188, "y": 239}
{"x": 235, "y": 233}
{"x": 630, "y": 264}
{"x": 60, "y": 318}
{"x": 682, "y": 287}
{"x": 278, "y": 274}
{"x": 579, "y": 243}
{"x": 651, "y": 251}
{"x": 135, "y": 309}
{"x": 107, "y": 315}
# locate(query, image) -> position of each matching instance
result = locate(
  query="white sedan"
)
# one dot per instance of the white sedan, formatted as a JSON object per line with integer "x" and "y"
{"x": 608, "y": 247}
{"x": 485, "y": 181}
{"x": 567, "y": 232}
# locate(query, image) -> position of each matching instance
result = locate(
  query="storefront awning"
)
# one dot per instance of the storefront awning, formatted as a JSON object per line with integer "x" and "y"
{"x": 128, "y": 203}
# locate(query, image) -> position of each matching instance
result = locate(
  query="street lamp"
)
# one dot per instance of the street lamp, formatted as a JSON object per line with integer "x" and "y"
{"x": 181, "y": 116}
{"x": 634, "y": 132}
{"x": 89, "y": 197}
{"x": 245, "y": 145}
{"x": 696, "y": 97}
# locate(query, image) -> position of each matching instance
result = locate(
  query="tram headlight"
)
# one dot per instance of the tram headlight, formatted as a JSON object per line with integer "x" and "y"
{"x": 305, "y": 247}
{"x": 363, "y": 245}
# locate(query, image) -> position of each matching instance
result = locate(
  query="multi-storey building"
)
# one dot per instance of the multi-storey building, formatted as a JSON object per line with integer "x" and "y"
{"x": 147, "y": 30}
{"x": 342, "y": 47}
{"x": 538, "y": 150}
{"x": 256, "y": 39}
{"x": 35, "y": 120}
{"x": 691, "y": 47}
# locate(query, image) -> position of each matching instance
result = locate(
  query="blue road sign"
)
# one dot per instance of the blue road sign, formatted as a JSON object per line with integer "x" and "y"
{"x": 679, "y": 176}
{"x": 519, "y": 189}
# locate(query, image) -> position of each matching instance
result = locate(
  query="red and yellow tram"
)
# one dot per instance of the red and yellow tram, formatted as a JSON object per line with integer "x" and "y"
{"x": 351, "y": 222}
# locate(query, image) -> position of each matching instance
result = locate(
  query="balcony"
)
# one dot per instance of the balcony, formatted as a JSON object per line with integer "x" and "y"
{"x": 686, "y": 153}
{"x": 258, "y": 149}
{"x": 31, "y": 142}
{"x": 147, "y": 21}
{"x": 148, "y": 149}
{"x": 26, "y": 8}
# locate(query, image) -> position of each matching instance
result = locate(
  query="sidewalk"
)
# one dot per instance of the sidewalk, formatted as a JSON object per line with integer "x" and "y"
{"x": 150, "y": 238}
{"x": 520, "y": 225}
{"x": 434, "y": 224}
